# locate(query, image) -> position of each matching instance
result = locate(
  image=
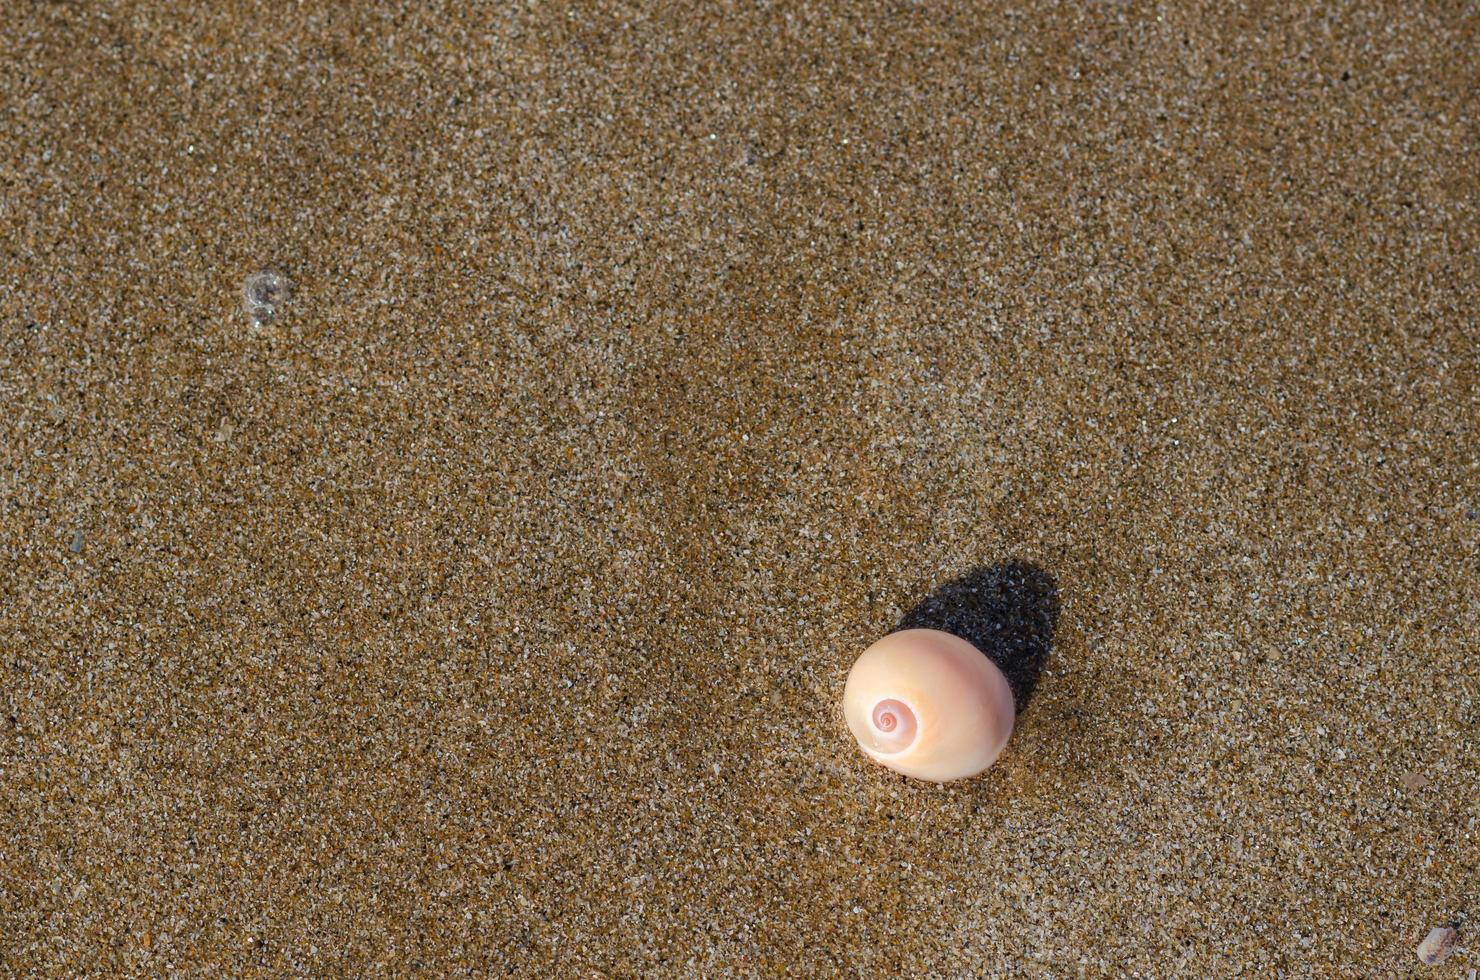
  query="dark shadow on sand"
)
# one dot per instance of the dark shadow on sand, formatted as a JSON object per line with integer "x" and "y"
{"x": 1008, "y": 611}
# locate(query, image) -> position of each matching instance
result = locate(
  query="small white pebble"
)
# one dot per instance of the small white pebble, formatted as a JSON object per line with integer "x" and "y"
{"x": 1437, "y": 945}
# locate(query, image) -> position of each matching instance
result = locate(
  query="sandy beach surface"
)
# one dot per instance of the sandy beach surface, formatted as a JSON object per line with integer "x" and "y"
{"x": 486, "y": 608}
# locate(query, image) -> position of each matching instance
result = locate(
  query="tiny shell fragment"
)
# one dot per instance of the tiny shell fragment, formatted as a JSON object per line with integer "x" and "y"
{"x": 1437, "y": 945}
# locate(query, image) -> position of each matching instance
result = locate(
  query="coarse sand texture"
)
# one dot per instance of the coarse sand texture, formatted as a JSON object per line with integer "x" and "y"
{"x": 452, "y": 455}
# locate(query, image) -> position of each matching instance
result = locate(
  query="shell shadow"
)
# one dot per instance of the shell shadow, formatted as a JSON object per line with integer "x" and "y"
{"x": 1008, "y": 611}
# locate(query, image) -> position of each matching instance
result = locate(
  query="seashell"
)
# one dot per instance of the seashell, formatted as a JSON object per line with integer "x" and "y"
{"x": 928, "y": 704}
{"x": 1437, "y": 945}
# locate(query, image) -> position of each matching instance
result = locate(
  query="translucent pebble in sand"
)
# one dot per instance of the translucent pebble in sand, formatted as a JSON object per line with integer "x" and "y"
{"x": 1437, "y": 945}
{"x": 263, "y": 294}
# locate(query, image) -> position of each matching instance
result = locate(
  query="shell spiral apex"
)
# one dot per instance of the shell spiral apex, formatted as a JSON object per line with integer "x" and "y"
{"x": 928, "y": 704}
{"x": 893, "y": 726}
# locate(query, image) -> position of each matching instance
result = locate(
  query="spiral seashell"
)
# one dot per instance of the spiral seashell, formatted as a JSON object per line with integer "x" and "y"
{"x": 928, "y": 704}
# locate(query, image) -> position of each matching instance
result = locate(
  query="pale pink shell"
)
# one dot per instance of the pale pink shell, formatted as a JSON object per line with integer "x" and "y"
{"x": 929, "y": 704}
